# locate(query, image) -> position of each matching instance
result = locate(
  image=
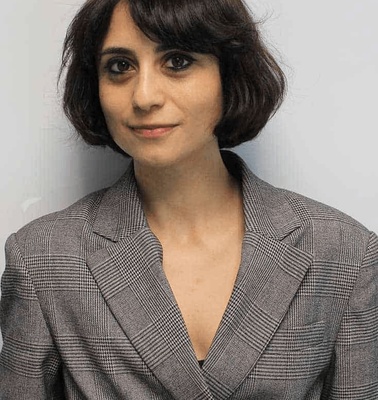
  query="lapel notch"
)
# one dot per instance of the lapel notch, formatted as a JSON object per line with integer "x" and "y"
{"x": 269, "y": 277}
{"x": 130, "y": 277}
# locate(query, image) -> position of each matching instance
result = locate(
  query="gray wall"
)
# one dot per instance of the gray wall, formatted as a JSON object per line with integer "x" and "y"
{"x": 43, "y": 167}
{"x": 324, "y": 141}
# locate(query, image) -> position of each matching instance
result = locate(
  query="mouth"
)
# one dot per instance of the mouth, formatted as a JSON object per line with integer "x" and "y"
{"x": 152, "y": 131}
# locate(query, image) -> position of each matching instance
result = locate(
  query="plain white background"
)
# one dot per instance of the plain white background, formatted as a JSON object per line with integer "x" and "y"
{"x": 322, "y": 142}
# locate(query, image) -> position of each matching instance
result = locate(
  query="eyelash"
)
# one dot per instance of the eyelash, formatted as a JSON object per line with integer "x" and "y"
{"x": 113, "y": 62}
{"x": 186, "y": 57}
{"x": 188, "y": 60}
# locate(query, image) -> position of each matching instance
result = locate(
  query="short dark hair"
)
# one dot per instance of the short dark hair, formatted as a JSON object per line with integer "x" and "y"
{"x": 252, "y": 81}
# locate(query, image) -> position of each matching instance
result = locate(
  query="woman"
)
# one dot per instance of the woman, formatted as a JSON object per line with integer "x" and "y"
{"x": 190, "y": 278}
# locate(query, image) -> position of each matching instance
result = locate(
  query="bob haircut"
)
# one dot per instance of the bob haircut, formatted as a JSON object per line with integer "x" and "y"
{"x": 253, "y": 84}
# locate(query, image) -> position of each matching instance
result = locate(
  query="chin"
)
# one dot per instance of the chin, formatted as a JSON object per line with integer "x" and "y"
{"x": 156, "y": 159}
{"x": 165, "y": 154}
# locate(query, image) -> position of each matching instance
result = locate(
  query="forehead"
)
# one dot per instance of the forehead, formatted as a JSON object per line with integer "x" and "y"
{"x": 123, "y": 30}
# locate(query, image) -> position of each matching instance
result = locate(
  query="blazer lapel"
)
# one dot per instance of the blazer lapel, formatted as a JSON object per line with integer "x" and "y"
{"x": 269, "y": 277}
{"x": 130, "y": 276}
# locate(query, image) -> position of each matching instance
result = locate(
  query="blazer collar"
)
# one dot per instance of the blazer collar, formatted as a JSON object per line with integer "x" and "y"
{"x": 130, "y": 276}
{"x": 120, "y": 213}
{"x": 266, "y": 208}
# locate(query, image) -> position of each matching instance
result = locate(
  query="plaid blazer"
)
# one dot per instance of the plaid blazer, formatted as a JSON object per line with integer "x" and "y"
{"x": 87, "y": 312}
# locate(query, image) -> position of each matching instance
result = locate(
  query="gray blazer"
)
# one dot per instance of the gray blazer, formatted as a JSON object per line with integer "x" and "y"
{"x": 87, "y": 312}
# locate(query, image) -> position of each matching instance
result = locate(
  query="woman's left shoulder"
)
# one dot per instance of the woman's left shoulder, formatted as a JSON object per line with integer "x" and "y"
{"x": 298, "y": 218}
{"x": 315, "y": 211}
{"x": 330, "y": 228}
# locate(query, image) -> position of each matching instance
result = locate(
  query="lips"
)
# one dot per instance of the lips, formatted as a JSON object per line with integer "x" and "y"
{"x": 152, "y": 131}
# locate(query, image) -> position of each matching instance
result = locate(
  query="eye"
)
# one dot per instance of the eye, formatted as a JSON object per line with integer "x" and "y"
{"x": 118, "y": 66}
{"x": 178, "y": 62}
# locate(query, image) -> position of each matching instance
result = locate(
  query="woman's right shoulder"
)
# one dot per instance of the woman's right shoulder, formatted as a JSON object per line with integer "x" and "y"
{"x": 66, "y": 224}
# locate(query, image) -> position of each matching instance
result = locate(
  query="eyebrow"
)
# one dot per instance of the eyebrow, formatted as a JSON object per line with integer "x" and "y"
{"x": 124, "y": 51}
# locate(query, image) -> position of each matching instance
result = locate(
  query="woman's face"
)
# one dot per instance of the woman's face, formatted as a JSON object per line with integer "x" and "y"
{"x": 161, "y": 105}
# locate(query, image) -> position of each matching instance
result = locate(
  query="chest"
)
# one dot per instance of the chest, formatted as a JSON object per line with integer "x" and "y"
{"x": 202, "y": 278}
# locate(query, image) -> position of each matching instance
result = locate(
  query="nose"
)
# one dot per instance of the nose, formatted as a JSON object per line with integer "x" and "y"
{"x": 148, "y": 92}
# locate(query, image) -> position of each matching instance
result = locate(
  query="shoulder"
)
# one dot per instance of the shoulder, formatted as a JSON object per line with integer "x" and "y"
{"x": 60, "y": 226}
{"x": 326, "y": 231}
{"x": 312, "y": 226}
{"x": 311, "y": 211}
{"x": 87, "y": 225}
{"x": 283, "y": 213}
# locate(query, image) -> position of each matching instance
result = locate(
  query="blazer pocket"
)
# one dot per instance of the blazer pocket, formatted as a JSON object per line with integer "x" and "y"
{"x": 297, "y": 338}
{"x": 298, "y": 353}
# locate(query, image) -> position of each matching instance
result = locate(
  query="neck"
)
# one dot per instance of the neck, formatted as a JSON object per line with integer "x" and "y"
{"x": 187, "y": 195}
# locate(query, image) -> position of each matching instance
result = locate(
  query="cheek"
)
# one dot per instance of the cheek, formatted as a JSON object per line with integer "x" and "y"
{"x": 209, "y": 104}
{"x": 110, "y": 105}
{"x": 104, "y": 102}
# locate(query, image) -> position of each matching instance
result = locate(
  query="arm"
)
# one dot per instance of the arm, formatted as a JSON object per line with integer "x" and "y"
{"x": 29, "y": 361}
{"x": 354, "y": 373}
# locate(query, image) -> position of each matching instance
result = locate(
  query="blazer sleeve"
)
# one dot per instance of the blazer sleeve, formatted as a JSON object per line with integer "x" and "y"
{"x": 354, "y": 372}
{"x": 29, "y": 361}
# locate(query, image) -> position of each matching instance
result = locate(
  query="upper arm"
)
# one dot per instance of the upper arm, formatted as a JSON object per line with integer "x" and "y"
{"x": 354, "y": 372}
{"x": 29, "y": 361}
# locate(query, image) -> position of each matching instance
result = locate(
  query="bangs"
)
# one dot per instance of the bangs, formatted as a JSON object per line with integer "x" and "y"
{"x": 192, "y": 25}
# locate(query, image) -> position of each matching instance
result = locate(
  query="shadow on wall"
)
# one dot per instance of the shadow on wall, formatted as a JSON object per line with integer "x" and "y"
{"x": 84, "y": 170}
